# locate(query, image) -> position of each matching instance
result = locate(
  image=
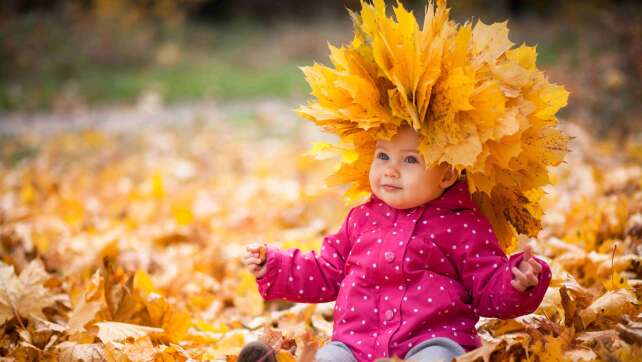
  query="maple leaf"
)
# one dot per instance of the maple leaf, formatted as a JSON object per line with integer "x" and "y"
{"x": 614, "y": 303}
{"x": 24, "y": 295}
{"x": 117, "y": 331}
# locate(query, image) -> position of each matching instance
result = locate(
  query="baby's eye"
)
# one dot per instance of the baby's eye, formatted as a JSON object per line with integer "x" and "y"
{"x": 382, "y": 156}
{"x": 412, "y": 159}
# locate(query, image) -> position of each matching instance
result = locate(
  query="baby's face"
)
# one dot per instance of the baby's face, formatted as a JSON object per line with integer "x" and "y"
{"x": 398, "y": 173}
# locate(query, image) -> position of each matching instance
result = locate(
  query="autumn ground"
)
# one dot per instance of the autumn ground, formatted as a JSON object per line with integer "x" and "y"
{"x": 121, "y": 239}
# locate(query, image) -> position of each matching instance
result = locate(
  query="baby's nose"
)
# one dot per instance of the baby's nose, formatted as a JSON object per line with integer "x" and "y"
{"x": 391, "y": 172}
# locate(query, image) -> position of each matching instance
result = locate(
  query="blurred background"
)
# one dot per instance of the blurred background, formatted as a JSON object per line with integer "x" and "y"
{"x": 65, "y": 57}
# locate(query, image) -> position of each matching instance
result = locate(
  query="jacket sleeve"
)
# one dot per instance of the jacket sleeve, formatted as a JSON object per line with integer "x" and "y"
{"x": 486, "y": 272}
{"x": 308, "y": 277}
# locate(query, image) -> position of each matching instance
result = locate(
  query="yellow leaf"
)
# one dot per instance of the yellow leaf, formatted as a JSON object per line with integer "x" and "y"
{"x": 176, "y": 323}
{"x": 23, "y": 295}
{"x": 611, "y": 304}
{"x": 117, "y": 331}
{"x": 285, "y": 356}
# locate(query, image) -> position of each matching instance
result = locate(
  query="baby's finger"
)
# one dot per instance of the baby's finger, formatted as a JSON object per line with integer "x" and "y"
{"x": 531, "y": 278}
{"x": 528, "y": 252}
{"x": 537, "y": 267}
{"x": 519, "y": 276}
{"x": 253, "y": 260}
{"x": 517, "y": 285}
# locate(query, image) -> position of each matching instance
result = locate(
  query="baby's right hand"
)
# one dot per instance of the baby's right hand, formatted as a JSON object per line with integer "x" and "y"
{"x": 255, "y": 257}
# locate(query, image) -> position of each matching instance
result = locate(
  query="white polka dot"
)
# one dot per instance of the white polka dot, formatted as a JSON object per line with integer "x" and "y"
{"x": 290, "y": 278}
{"x": 465, "y": 225}
{"x": 448, "y": 230}
{"x": 454, "y": 247}
{"x": 429, "y": 300}
{"x": 424, "y": 222}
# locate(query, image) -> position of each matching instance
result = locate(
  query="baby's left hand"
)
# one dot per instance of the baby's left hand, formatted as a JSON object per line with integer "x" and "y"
{"x": 527, "y": 274}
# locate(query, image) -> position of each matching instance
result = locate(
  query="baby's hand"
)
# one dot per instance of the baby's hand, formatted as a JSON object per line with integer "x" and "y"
{"x": 254, "y": 259}
{"x": 528, "y": 273}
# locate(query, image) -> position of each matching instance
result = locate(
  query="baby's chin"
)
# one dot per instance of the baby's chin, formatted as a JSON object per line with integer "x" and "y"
{"x": 397, "y": 201}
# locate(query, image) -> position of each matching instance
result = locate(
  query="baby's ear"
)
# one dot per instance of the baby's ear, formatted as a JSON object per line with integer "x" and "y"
{"x": 450, "y": 176}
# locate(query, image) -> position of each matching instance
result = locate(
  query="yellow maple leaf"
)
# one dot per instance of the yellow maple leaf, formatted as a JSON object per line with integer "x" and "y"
{"x": 24, "y": 295}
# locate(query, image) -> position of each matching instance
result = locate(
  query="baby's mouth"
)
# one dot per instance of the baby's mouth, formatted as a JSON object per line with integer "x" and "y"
{"x": 391, "y": 188}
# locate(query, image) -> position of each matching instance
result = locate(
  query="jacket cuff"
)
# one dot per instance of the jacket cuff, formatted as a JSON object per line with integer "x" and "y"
{"x": 267, "y": 284}
{"x": 527, "y": 301}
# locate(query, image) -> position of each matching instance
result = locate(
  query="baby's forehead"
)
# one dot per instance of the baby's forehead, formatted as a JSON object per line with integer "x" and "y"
{"x": 405, "y": 142}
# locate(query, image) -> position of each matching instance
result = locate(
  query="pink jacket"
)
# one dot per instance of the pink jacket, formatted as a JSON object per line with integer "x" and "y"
{"x": 401, "y": 276}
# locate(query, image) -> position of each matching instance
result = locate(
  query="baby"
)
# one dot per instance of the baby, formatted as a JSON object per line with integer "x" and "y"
{"x": 451, "y": 132}
{"x": 411, "y": 270}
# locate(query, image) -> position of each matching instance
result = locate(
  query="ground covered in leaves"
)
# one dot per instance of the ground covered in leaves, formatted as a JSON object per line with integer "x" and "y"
{"x": 124, "y": 244}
